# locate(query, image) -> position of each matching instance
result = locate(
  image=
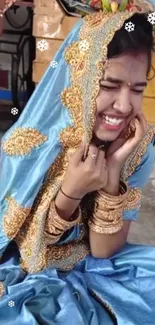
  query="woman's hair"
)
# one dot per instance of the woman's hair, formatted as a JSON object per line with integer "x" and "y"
{"x": 139, "y": 40}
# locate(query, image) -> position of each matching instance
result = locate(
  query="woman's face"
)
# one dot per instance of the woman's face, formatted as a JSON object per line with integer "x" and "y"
{"x": 121, "y": 94}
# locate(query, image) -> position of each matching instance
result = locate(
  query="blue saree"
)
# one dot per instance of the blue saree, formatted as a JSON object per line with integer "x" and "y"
{"x": 41, "y": 283}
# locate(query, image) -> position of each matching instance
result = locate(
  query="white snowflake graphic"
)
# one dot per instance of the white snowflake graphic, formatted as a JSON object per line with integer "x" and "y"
{"x": 130, "y": 26}
{"x": 151, "y": 18}
{"x": 54, "y": 64}
{"x": 84, "y": 45}
{"x": 14, "y": 111}
{"x": 42, "y": 45}
{"x": 11, "y": 303}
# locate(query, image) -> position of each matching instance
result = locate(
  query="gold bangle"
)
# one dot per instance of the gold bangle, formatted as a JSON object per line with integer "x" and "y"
{"x": 56, "y": 226}
{"x": 112, "y": 229}
{"x": 108, "y": 202}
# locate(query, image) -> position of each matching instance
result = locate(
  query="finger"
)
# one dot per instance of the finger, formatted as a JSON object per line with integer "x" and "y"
{"x": 142, "y": 120}
{"x": 92, "y": 155}
{"x": 101, "y": 161}
{"x": 78, "y": 155}
{"x": 141, "y": 125}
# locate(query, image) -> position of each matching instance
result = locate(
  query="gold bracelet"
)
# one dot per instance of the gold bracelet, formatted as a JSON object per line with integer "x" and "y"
{"x": 106, "y": 201}
{"x": 108, "y": 211}
{"x": 56, "y": 226}
{"x": 105, "y": 229}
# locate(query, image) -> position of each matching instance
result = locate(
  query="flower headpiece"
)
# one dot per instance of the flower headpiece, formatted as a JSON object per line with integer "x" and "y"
{"x": 121, "y": 5}
{"x": 130, "y": 5}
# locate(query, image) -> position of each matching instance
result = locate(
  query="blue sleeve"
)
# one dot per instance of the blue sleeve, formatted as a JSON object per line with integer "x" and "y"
{"x": 140, "y": 178}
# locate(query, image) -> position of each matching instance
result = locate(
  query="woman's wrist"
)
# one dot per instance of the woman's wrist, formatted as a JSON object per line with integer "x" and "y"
{"x": 112, "y": 187}
{"x": 65, "y": 206}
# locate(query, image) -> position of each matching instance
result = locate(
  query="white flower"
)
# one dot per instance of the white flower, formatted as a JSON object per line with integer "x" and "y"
{"x": 130, "y": 26}
{"x": 53, "y": 64}
{"x": 42, "y": 45}
{"x": 11, "y": 303}
{"x": 151, "y": 18}
{"x": 14, "y": 111}
{"x": 84, "y": 45}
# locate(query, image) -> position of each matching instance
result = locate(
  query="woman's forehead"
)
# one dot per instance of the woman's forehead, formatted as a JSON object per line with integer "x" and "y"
{"x": 127, "y": 66}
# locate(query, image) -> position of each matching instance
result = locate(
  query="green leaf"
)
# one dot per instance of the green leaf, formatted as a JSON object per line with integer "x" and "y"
{"x": 123, "y": 5}
{"x": 106, "y": 5}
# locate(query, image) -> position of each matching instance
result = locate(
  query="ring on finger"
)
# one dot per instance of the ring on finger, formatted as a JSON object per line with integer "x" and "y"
{"x": 93, "y": 156}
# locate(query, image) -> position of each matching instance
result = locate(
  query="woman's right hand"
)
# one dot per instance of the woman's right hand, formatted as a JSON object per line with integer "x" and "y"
{"x": 85, "y": 176}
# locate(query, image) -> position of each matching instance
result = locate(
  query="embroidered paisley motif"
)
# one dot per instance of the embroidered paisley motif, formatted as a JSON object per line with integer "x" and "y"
{"x": 14, "y": 217}
{"x": 22, "y": 141}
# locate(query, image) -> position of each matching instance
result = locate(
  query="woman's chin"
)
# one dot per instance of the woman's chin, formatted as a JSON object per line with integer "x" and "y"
{"x": 107, "y": 135}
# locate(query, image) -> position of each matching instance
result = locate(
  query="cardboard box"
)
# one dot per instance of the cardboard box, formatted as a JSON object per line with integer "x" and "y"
{"x": 47, "y": 54}
{"x": 47, "y": 7}
{"x": 39, "y": 69}
{"x": 56, "y": 28}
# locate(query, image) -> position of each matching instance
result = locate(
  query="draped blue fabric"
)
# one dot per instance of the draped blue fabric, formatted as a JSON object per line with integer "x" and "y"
{"x": 126, "y": 282}
{"x": 119, "y": 290}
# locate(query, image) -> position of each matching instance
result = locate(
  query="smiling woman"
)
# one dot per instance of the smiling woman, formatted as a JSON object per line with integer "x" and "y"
{"x": 72, "y": 171}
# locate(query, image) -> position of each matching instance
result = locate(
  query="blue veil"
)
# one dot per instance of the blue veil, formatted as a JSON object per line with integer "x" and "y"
{"x": 36, "y": 150}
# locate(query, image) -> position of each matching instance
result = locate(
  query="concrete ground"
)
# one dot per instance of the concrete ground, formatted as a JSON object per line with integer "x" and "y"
{"x": 143, "y": 231}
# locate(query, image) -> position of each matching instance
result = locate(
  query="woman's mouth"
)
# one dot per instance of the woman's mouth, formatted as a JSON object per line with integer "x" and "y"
{"x": 111, "y": 123}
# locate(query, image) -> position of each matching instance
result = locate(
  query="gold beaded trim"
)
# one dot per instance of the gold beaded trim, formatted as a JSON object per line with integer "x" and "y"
{"x": 22, "y": 141}
{"x": 2, "y": 289}
{"x": 66, "y": 256}
{"x": 94, "y": 294}
{"x": 133, "y": 200}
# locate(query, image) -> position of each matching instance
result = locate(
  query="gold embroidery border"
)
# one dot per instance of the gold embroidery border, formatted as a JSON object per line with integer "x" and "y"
{"x": 133, "y": 200}
{"x": 2, "y": 289}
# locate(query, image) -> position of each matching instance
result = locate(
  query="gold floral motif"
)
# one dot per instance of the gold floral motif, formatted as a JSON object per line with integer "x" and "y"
{"x": 135, "y": 158}
{"x": 22, "y": 141}
{"x": 14, "y": 217}
{"x": 133, "y": 200}
{"x": 2, "y": 289}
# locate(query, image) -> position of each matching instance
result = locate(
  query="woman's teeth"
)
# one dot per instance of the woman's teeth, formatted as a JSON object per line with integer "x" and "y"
{"x": 112, "y": 121}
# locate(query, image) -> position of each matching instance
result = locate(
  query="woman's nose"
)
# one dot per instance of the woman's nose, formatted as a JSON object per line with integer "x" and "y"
{"x": 122, "y": 102}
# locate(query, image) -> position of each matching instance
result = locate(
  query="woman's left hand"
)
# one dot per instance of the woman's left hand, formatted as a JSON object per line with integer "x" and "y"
{"x": 121, "y": 148}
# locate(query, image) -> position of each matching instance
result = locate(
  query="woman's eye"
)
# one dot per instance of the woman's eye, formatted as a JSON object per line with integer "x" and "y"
{"x": 137, "y": 91}
{"x": 107, "y": 87}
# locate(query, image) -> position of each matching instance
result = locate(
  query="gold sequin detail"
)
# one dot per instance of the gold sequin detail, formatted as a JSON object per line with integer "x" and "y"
{"x": 2, "y": 289}
{"x": 133, "y": 200}
{"x": 22, "y": 141}
{"x": 66, "y": 256}
{"x": 14, "y": 217}
{"x": 135, "y": 158}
